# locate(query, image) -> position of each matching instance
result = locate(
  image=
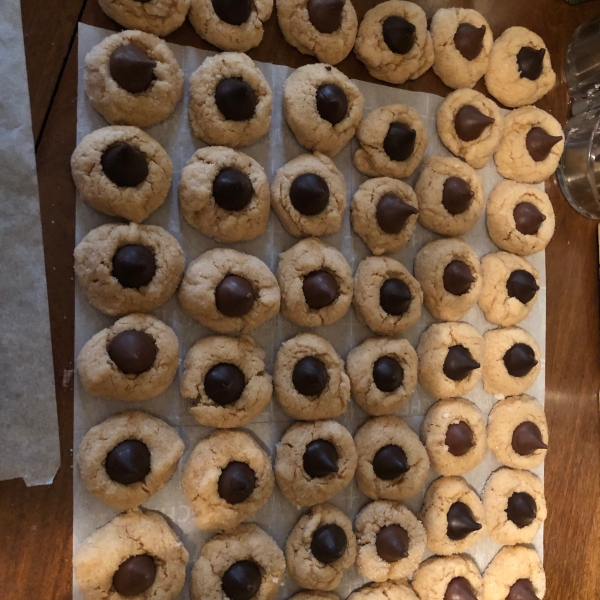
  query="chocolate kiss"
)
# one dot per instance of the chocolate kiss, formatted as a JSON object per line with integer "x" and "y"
{"x": 527, "y": 438}
{"x": 539, "y": 143}
{"x": 459, "y": 438}
{"x": 460, "y": 522}
{"x": 392, "y": 542}
{"x": 459, "y": 363}
{"x": 521, "y": 509}
{"x": 519, "y": 360}
{"x": 320, "y": 459}
{"x": 470, "y": 123}
{"x": 522, "y": 286}
{"x": 459, "y": 588}
{"x": 531, "y": 62}
{"x": 457, "y": 195}
{"x": 390, "y": 462}
{"x": 522, "y": 589}
{"x": 528, "y": 218}
{"x": 468, "y": 40}
{"x": 457, "y": 278}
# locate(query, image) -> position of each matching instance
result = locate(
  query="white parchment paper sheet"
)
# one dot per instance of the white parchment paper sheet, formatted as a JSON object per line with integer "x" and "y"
{"x": 278, "y": 516}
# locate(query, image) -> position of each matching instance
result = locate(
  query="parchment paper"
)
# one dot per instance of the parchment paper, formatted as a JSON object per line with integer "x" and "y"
{"x": 28, "y": 422}
{"x": 278, "y": 516}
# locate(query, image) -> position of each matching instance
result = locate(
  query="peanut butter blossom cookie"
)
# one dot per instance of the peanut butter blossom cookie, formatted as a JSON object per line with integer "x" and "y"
{"x": 322, "y": 107}
{"x": 159, "y": 17}
{"x": 450, "y": 359}
{"x": 450, "y": 277}
{"x": 393, "y": 41}
{"x": 512, "y": 361}
{"x": 387, "y": 590}
{"x": 515, "y": 573}
{"x": 322, "y": 28}
{"x": 241, "y": 564}
{"x": 383, "y": 374}
{"x": 450, "y": 195}
{"x": 320, "y": 548}
{"x": 134, "y": 359}
{"x": 135, "y": 554}
{"x": 226, "y": 381}
{"x": 387, "y": 298}
{"x": 128, "y": 458}
{"x": 515, "y": 506}
{"x": 132, "y": 78}
{"x": 392, "y": 462}
{"x": 384, "y": 214}
{"x": 229, "y": 291}
{"x": 510, "y": 287}
{"x": 128, "y": 268}
{"x": 531, "y": 147}
{"x": 392, "y": 141}
{"x": 462, "y": 42}
{"x": 122, "y": 172}
{"x": 224, "y": 194}
{"x": 230, "y": 101}
{"x": 230, "y": 24}
{"x": 520, "y": 71}
{"x": 453, "y": 432}
{"x": 453, "y": 516}
{"x": 227, "y": 478}
{"x": 391, "y": 541}
{"x": 520, "y": 218}
{"x": 309, "y": 377}
{"x": 518, "y": 432}
{"x": 308, "y": 194}
{"x": 316, "y": 283}
{"x": 448, "y": 578}
{"x": 470, "y": 126}
{"x": 314, "y": 461}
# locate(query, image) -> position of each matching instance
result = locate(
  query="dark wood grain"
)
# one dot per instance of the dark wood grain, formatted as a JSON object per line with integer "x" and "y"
{"x": 35, "y": 523}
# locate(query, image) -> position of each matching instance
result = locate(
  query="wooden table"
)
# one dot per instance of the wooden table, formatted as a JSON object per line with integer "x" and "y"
{"x": 35, "y": 523}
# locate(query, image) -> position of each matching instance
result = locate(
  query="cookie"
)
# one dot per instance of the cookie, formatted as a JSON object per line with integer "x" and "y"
{"x": 160, "y": 17}
{"x": 449, "y": 273}
{"x": 383, "y": 374}
{"x": 391, "y": 541}
{"x": 226, "y": 381}
{"x": 132, "y": 78}
{"x": 515, "y": 572}
{"x": 453, "y": 516}
{"x": 135, "y": 554}
{"x": 470, "y": 126}
{"x": 520, "y": 218}
{"x": 320, "y": 104}
{"x": 320, "y": 547}
{"x": 224, "y": 194}
{"x": 320, "y": 28}
{"x": 462, "y": 42}
{"x": 387, "y": 590}
{"x": 229, "y": 291}
{"x": 515, "y": 506}
{"x": 384, "y": 214}
{"x": 241, "y": 564}
{"x": 392, "y": 140}
{"x": 510, "y": 287}
{"x": 518, "y": 432}
{"x": 226, "y": 479}
{"x": 129, "y": 457}
{"x": 124, "y": 268}
{"x": 309, "y": 378}
{"x": 531, "y": 146}
{"x": 308, "y": 194}
{"x": 393, "y": 41}
{"x": 448, "y": 578}
{"x": 450, "y": 359}
{"x": 520, "y": 71}
{"x": 512, "y": 361}
{"x": 122, "y": 172}
{"x": 134, "y": 359}
{"x": 387, "y": 298}
{"x": 230, "y": 101}
{"x": 237, "y": 26}
{"x": 316, "y": 283}
{"x": 454, "y": 435}
{"x": 314, "y": 461}
{"x": 392, "y": 462}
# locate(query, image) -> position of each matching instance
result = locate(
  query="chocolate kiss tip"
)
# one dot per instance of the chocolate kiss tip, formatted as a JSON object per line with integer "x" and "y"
{"x": 470, "y": 122}
{"x": 527, "y": 438}
{"x": 539, "y": 143}
{"x": 461, "y": 522}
